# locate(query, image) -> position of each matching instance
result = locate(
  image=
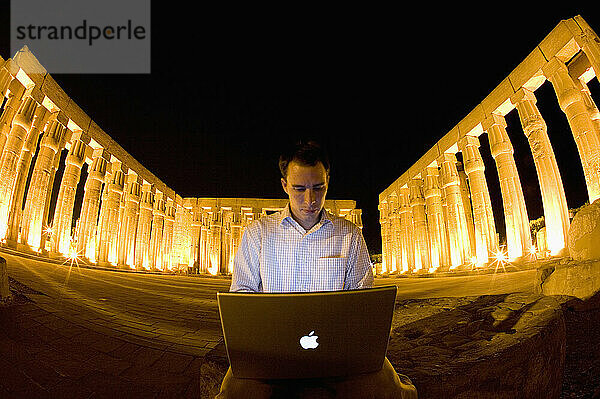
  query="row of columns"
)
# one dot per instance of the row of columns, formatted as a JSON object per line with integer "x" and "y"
{"x": 442, "y": 217}
{"x": 124, "y": 220}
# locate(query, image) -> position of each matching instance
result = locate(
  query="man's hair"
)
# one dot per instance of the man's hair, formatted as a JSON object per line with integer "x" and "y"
{"x": 307, "y": 153}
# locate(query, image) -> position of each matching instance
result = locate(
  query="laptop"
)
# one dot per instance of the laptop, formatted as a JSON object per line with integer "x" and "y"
{"x": 308, "y": 334}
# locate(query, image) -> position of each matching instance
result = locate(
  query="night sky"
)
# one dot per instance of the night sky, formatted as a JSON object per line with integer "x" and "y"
{"x": 378, "y": 87}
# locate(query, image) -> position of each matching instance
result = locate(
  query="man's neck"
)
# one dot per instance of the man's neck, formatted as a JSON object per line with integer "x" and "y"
{"x": 307, "y": 227}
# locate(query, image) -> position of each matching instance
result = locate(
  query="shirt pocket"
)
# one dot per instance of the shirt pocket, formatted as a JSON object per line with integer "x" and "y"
{"x": 328, "y": 274}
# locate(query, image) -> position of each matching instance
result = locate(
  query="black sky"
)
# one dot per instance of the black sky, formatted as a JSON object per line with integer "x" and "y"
{"x": 377, "y": 86}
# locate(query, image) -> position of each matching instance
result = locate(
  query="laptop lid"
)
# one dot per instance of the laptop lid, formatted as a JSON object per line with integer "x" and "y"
{"x": 306, "y": 335}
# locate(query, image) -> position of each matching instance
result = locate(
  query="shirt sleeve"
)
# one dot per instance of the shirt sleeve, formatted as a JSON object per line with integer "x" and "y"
{"x": 360, "y": 271}
{"x": 246, "y": 263}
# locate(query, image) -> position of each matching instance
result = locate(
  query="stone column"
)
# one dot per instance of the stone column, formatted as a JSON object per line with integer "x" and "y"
{"x": 129, "y": 221}
{"x": 158, "y": 216}
{"x": 108, "y": 225}
{"x": 40, "y": 119}
{"x": 215, "y": 241}
{"x": 183, "y": 224}
{"x": 384, "y": 222}
{"x": 13, "y": 103}
{"x": 142, "y": 237}
{"x": 556, "y": 212}
{"x": 40, "y": 184}
{"x": 236, "y": 234}
{"x": 435, "y": 219}
{"x": 204, "y": 230}
{"x": 225, "y": 240}
{"x": 465, "y": 194}
{"x": 486, "y": 241}
{"x": 10, "y": 158}
{"x": 396, "y": 238}
{"x": 63, "y": 213}
{"x": 407, "y": 235}
{"x": 196, "y": 227}
{"x": 421, "y": 235}
{"x": 459, "y": 244}
{"x": 518, "y": 233}
{"x": 90, "y": 206}
{"x": 169, "y": 224}
{"x": 356, "y": 216}
{"x": 393, "y": 233}
{"x": 572, "y": 103}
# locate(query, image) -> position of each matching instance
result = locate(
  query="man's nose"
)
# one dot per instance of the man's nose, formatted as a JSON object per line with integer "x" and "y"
{"x": 309, "y": 196}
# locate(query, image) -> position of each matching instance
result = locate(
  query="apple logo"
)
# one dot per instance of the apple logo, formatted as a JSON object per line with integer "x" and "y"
{"x": 309, "y": 341}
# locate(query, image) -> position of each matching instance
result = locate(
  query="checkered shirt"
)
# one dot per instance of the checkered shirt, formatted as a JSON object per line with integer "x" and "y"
{"x": 276, "y": 254}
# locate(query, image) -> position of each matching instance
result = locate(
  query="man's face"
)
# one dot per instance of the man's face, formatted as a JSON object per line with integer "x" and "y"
{"x": 306, "y": 186}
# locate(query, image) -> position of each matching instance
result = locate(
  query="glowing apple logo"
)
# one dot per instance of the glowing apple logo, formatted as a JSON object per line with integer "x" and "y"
{"x": 309, "y": 341}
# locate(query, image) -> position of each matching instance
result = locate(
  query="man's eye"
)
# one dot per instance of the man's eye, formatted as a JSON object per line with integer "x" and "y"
{"x": 299, "y": 189}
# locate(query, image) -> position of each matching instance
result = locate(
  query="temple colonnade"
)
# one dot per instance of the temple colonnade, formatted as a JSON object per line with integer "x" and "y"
{"x": 438, "y": 214}
{"x": 50, "y": 151}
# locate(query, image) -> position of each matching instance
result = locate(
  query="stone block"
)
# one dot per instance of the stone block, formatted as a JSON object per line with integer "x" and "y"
{"x": 492, "y": 346}
{"x": 528, "y": 73}
{"x": 559, "y": 43}
{"x": 579, "y": 279}
{"x": 449, "y": 143}
{"x": 470, "y": 124}
{"x": 498, "y": 101}
{"x": 584, "y": 233}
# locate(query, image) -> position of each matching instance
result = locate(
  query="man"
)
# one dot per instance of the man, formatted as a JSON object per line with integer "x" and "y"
{"x": 305, "y": 248}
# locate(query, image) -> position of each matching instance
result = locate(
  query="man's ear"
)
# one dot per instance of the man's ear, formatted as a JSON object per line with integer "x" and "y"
{"x": 284, "y": 185}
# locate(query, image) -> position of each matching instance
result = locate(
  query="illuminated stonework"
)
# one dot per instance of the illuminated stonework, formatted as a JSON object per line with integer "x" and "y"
{"x": 464, "y": 232}
{"x": 127, "y": 217}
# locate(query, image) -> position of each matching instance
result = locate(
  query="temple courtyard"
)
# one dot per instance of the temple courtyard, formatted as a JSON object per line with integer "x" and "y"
{"x": 79, "y": 332}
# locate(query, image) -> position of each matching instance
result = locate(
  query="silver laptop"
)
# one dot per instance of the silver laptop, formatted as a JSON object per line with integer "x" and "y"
{"x": 306, "y": 335}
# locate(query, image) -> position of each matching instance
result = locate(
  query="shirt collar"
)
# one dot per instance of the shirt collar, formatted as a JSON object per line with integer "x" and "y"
{"x": 287, "y": 213}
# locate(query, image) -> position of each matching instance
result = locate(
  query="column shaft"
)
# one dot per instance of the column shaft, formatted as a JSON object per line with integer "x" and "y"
{"x": 158, "y": 216}
{"x": 421, "y": 234}
{"x": 486, "y": 240}
{"x": 129, "y": 223}
{"x": 518, "y": 233}
{"x": 169, "y": 223}
{"x": 384, "y": 222}
{"x": 572, "y": 103}
{"x": 90, "y": 206}
{"x": 63, "y": 213}
{"x": 35, "y": 213}
{"x": 10, "y": 158}
{"x": 108, "y": 225}
{"x": 459, "y": 240}
{"x": 556, "y": 212}
{"x": 407, "y": 225}
{"x": 40, "y": 119}
{"x": 435, "y": 219}
{"x": 142, "y": 237}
